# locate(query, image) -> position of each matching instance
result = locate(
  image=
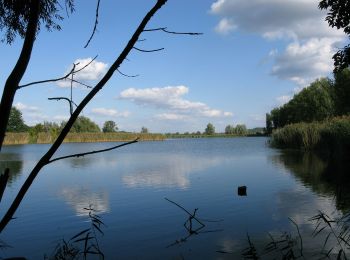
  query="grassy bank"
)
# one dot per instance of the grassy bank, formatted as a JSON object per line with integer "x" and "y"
{"x": 45, "y": 138}
{"x": 332, "y": 135}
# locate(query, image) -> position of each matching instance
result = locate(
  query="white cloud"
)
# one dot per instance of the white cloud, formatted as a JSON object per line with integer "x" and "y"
{"x": 26, "y": 108}
{"x": 109, "y": 112}
{"x": 170, "y": 116}
{"x": 312, "y": 42}
{"x": 170, "y": 99}
{"x": 303, "y": 63}
{"x": 94, "y": 71}
{"x": 225, "y": 26}
{"x": 283, "y": 99}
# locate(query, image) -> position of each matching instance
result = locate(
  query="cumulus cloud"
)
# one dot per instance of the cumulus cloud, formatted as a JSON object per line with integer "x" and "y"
{"x": 311, "y": 41}
{"x": 94, "y": 71}
{"x": 283, "y": 99}
{"x": 109, "y": 112}
{"x": 171, "y": 99}
{"x": 225, "y": 26}
{"x": 26, "y": 108}
{"x": 31, "y": 114}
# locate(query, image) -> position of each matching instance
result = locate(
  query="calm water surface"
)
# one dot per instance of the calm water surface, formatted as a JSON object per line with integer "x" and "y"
{"x": 128, "y": 188}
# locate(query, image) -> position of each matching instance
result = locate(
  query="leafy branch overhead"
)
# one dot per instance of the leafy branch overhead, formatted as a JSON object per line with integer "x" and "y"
{"x": 338, "y": 16}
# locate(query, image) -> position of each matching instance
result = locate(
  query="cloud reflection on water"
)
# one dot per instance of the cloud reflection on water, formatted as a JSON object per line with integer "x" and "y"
{"x": 174, "y": 171}
{"x": 81, "y": 197}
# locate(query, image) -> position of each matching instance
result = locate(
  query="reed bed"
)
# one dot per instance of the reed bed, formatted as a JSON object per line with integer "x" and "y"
{"x": 45, "y": 138}
{"x": 332, "y": 135}
{"x": 16, "y": 138}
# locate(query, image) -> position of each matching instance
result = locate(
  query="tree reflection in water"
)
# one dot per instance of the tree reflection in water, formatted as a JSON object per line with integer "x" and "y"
{"x": 326, "y": 176}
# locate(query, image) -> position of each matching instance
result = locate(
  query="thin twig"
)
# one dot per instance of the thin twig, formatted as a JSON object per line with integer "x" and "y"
{"x": 72, "y": 71}
{"x": 95, "y": 25}
{"x": 164, "y": 29}
{"x": 191, "y": 215}
{"x": 93, "y": 152}
{"x": 154, "y": 50}
{"x": 126, "y": 75}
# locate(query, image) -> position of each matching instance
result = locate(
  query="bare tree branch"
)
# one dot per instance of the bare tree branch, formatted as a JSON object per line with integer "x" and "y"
{"x": 71, "y": 102}
{"x": 164, "y": 29}
{"x": 45, "y": 159}
{"x": 141, "y": 50}
{"x": 95, "y": 25}
{"x": 72, "y": 71}
{"x": 126, "y": 75}
{"x": 93, "y": 152}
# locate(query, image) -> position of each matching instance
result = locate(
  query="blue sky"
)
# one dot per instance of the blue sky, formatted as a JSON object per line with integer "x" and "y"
{"x": 253, "y": 55}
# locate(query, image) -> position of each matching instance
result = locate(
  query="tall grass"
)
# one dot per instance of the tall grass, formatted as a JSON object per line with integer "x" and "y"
{"x": 332, "y": 135}
{"x": 45, "y": 138}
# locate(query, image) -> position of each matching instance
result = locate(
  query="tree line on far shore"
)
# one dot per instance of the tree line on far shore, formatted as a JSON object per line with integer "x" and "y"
{"x": 82, "y": 125}
{"x": 322, "y": 99}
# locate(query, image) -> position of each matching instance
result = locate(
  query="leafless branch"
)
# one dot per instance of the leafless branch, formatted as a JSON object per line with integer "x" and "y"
{"x": 93, "y": 152}
{"x": 191, "y": 216}
{"x": 141, "y": 50}
{"x": 71, "y": 102}
{"x": 81, "y": 83}
{"x": 126, "y": 75}
{"x": 86, "y": 65}
{"x": 141, "y": 40}
{"x": 164, "y": 29}
{"x": 95, "y": 25}
{"x": 72, "y": 71}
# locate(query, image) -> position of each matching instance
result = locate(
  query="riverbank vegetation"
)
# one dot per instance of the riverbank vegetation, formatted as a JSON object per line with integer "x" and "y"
{"x": 317, "y": 118}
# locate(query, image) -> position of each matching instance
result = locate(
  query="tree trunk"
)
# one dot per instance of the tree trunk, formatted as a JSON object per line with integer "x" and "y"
{"x": 18, "y": 71}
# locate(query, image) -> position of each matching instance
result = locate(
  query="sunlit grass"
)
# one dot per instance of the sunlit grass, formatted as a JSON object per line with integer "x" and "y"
{"x": 44, "y": 138}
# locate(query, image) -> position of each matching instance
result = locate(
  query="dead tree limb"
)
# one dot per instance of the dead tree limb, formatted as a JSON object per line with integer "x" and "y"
{"x": 48, "y": 155}
{"x": 95, "y": 25}
{"x": 71, "y": 102}
{"x": 154, "y": 50}
{"x": 71, "y": 72}
{"x": 94, "y": 152}
{"x": 164, "y": 29}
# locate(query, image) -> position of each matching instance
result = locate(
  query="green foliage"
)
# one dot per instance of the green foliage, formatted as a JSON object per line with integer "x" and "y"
{"x": 15, "y": 14}
{"x": 332, "y": 136}
{"x": 210, "y": 129}
{"x": 339, "y": 16}
{"x": 341, "y": 90}
{"x": 229, "y": 130}
{"x": 109, "y": 127}
{"x": 144, "y": 130}
{"x": 16, "y": 123}
{"x": 240, "y": 130}
{"x": 313, "y": 103}
{"x": 84, "y": 125}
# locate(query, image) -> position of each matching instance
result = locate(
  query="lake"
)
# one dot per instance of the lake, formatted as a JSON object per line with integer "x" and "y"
{"x": 127, "y": 188}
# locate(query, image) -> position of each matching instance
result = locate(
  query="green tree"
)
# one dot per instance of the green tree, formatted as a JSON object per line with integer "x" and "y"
{"x": 241, "y": 130}
{"x": 109, "y": 127}
{"x": 313, "y": 103}
{"x": 229, "y": 129}
{"x": 144, "y": 130}
{"x": 269, "y": 123}
{"x": 341, "y": 89}
{"x": 84, "y": 125}
{"x": 24, "y": 18}
{"x": 210, "y": 129}
{"x": 339, "y": 16}
{"x": 16, "y": 122}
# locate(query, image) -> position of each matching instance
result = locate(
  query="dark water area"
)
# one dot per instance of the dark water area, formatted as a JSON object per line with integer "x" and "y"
{"x": 128, "y": 187}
